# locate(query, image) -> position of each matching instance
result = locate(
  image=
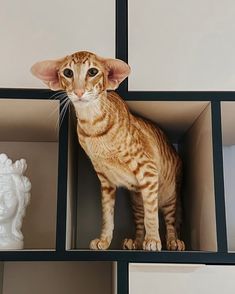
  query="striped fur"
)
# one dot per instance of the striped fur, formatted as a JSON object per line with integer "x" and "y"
{"x": 125, "y": 151}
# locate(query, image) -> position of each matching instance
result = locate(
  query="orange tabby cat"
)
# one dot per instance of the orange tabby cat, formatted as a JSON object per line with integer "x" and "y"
{"x": 124, "y": 149}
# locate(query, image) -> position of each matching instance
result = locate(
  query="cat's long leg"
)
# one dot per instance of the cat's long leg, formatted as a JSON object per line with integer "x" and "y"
{"x": 172, "y": 215}
{"x": 138, "y": 212}
{"x": 108, "y": 201}
{"x": 152, "y": 241}
{"x": 147, "y": 176}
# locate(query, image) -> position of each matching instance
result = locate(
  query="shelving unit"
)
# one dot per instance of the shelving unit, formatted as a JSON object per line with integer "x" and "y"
{"x": 199, "y": 123}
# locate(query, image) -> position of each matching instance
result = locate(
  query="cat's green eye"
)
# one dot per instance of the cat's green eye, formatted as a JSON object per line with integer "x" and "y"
{"x": 68, "y": 73}
{"x": 92, "y": 71}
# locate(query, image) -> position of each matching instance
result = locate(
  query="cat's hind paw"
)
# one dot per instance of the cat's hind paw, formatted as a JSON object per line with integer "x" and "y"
{"x": 152, "y": 245}
{"x": 175, "y": 245}
{"x": 130, "y": 244}
{"x": 99, "y": 244}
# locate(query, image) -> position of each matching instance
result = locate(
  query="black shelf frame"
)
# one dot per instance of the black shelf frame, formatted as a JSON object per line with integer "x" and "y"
{"x": 186, "y": 257}
{"x": 123, "y": 258}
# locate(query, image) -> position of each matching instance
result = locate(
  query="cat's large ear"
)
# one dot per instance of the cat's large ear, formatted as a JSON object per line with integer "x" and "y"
{"x": 118, "y": 70}
{"x": 47, "y": 71}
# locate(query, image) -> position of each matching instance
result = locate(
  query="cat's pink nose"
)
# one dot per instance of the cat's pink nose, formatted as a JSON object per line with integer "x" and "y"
{"x": 79, "y": 92}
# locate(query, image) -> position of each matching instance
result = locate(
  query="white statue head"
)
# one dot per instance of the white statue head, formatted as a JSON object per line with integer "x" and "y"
{"x": 14, "y": 198}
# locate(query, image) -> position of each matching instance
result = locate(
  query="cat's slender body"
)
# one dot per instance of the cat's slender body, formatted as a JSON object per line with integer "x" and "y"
{"x": 125, "y": 151}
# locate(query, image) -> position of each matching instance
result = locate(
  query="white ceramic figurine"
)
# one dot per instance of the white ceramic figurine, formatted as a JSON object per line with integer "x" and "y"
{"x": 14, "y": 198}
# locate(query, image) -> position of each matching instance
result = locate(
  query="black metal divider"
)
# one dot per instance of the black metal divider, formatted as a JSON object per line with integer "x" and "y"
{"x": 122, "y": 277}
{"x": 121, "y": 47}
{"x": 218, "y": 176}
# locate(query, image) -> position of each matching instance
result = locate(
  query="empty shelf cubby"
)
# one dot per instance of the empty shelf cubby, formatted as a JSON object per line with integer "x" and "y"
{"x": 188, "y": 126}
{"x": 56, "y": 277}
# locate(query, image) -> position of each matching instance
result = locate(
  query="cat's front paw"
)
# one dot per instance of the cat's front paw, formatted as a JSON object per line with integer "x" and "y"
{"x": 130, "y": 244}
{"x": 152, "y": 245}
{"x": 175, "y": 245}
{"x": 99, "y": 244}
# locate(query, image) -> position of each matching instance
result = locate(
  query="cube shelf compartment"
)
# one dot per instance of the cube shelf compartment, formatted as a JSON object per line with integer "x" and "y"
{"x": 188, "y": 125}
{"x": 184, "y": 278}
{"x": 56, "y": 277}
{"x": 28, "y": 130}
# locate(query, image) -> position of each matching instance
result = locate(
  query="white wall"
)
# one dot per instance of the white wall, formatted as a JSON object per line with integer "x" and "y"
{"x": 173, "y": 45}
{"x": 182, "y": 45}
{"x": 32, "y": 30}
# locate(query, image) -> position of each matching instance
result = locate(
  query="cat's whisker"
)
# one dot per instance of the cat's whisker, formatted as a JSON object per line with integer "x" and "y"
{"x": 66, "y": 107}
{"x": 64, "y": 101}
{"x": 61, "y": 96}
{"x": 58, "y": 118}
{"x": 57, "y": 94}
{"x": 62, "y": 113}
{"x": 63, "y": 106}
{"x": 56, "y": 109}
